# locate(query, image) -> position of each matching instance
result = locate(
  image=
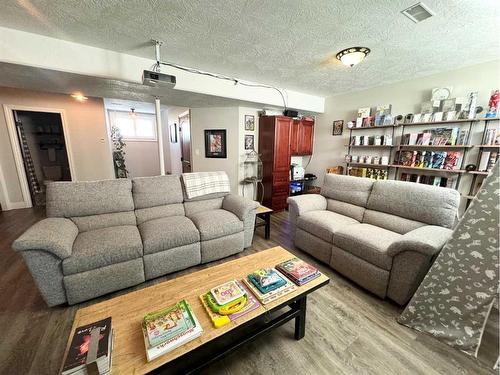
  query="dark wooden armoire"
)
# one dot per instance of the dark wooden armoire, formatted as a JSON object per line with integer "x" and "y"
{"x": 281, "y": 137}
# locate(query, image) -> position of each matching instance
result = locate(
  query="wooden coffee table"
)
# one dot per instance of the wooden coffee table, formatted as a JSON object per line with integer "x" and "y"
{"x": 127, "y": 312}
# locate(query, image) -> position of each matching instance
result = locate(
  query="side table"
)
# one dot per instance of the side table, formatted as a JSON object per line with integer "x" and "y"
{"x": 264, "y": 213}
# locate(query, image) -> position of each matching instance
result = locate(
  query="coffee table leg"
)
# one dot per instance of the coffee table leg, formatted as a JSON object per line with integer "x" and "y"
{"x": 300, "y": 321}
{"x": 267, "y": 218}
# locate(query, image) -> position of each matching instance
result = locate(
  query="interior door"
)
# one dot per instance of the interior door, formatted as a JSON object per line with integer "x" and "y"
{"x": 185, "y": 139}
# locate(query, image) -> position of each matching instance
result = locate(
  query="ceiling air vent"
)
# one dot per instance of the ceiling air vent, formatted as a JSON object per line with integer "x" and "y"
{"x": 418, "y": 12}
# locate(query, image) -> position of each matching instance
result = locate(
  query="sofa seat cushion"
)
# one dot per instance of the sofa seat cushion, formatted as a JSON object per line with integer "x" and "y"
{"x": 216, "y": 223}
{"x": 367, "y": 242}
{"x": 167, "y": 232}
{"x": 102, "y": 247}
{"x": 323, "y": 223}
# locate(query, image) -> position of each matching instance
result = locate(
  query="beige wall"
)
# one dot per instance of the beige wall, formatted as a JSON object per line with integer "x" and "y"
{"x": 87, "y": 136}
{"x": 247, "y": 189}
{"x": 233, "y": 120}
{"x": 173, "y": 150}
{"x": 405, "y": 97}
{"x": 216, "y": 118}
{"x": 142, "y": 158}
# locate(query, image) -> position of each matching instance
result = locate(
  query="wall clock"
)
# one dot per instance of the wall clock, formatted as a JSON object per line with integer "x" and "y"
{"x": 441, "y": 93}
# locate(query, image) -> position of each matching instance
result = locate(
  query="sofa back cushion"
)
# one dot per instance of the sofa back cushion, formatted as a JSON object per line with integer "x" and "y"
{"x": 156, "y": 191}
{"x": 89, "y": 198}
{"x": 157, "y": 197}
{"x": 347, "y": 209}
{"x": 195, "y": 206}
{"x": 428, "y": 204}
{"x": 390, "y": 222}
{"x": 348, "y": 189}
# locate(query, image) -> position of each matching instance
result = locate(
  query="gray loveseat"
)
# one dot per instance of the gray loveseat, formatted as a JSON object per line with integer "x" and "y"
{"x": 102, "y": 236}
{"x": 384, "y": 235}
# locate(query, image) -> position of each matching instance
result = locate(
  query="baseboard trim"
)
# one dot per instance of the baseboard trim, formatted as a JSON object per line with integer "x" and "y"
{"x": 15, "y": 206}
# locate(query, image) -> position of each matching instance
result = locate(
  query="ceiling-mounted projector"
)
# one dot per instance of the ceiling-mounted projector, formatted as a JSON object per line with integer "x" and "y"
{"x": 156, "y": 79}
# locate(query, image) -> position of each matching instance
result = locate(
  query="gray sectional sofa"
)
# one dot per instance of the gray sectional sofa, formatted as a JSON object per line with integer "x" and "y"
{"x": 102, "y": 236}
{"x": 384, "y": 235}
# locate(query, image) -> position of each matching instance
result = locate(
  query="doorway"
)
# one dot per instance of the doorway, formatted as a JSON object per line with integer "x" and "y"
{"x": 39, "y": 144}
{"x": 185, "y": 139}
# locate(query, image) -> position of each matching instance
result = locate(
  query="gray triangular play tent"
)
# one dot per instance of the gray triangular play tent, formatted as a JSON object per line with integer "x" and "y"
{"x": 455, "y": 298}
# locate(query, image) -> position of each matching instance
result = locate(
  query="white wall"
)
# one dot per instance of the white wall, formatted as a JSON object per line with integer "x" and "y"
{"x": 19, "y": 47}
{"x": 87, "y": 136}
{"x": 405, "y": 97}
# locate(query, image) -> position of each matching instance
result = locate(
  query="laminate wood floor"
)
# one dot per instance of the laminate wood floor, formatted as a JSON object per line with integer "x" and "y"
{"x": 349, "y": 330}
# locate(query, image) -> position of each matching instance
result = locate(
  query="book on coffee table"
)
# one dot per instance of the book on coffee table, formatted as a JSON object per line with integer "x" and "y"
{"x": 168, "y": 323}
{"x": 77, "y": 355}
{"x": 179, "y": 312}
{"x": 266, "y": 280}
{"x": 298, "y": 271}
{"x": 265, "y": 298}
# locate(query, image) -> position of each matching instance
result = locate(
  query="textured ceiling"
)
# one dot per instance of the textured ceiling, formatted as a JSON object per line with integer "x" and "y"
{"x": 32, "y": 78}
{"x": 289, "y": 43}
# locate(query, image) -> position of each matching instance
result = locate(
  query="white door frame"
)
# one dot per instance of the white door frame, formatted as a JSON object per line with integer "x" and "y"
{"x": 16, "y": 149}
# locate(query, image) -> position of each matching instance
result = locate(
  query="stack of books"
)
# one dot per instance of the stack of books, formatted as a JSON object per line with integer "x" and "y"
{"x": 449, "y": 160}
{"x": 298, "y": 271}
{"x": 268, "y": 284}
{"x": 437, "y": 137}
{"x": 448, "y": 182}
{"x": 169, "y": 328}
{"x": 76, "y": 359}
{"x": 228, "y": 302}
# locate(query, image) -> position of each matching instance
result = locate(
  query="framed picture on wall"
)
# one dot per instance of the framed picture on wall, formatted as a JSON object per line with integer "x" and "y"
{"x": 250, "y": 122}
{"x": 338, "y": 126}
{"x": 249, "y": 142}
{"x": 173, "y": 133}
{"x": 215, "y": 143}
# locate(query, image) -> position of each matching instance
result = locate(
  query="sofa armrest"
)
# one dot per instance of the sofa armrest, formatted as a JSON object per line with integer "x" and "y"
{"x": 54, "y": 235}
{"x": 427, "y": 240}
{"x": 238, "y": 205}
{"x": 307, "y": 202}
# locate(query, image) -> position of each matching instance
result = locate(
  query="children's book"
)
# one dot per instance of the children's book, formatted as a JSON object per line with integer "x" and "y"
{"x": 273, "y": 295}
{"x": 227, "y": 292}
{"x": 268, "y": 288}
{"x": 153, "y": 352}
{"x": 168, "y": 323}
{"x": 296, "y": 269}
{"x": 265, "y": 277}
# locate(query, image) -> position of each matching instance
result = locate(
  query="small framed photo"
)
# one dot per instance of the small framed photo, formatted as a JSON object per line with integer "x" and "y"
{"x": 338, "y": 127}
{"x": 215, "y": 143}
{"x": 250, "y": 122}
{"x": 249, "y": 142}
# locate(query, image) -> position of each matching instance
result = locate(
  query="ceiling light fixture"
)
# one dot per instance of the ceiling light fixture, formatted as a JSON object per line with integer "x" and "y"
{"x": 132, "y": 112}
{"x": 352, "y": 56}
{"x": 79, "y": 96}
